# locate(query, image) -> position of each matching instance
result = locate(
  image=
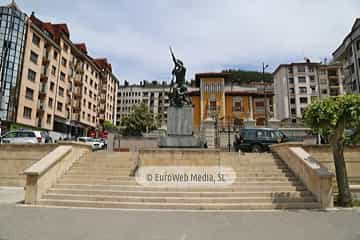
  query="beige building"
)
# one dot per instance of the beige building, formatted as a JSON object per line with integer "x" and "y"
{"x": 60, "y": 87}
{"x": 296, "y": 85}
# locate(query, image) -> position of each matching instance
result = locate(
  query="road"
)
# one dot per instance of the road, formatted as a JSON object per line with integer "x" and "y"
{"x": 27, "y": 223}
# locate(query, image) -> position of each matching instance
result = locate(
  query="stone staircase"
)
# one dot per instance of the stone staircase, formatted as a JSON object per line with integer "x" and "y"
{"x": 101, "y": 180}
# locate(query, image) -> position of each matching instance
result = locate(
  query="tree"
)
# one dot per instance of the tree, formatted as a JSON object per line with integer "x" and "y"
{"x": 245, "y": 77}
{"x": 109, "y": 126}
{"x": 330, "y": 118}
{"x": 138, "y": 121}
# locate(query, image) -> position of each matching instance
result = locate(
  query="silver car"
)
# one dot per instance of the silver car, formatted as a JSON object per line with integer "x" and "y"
{"x": 23, "y": 136}
{"x": 95, "y": 144}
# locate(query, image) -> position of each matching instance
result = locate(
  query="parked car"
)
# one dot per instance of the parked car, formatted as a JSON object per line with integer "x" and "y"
{"x": 24, "y": 136}
{"x": 94, "y": 143}
{"x": 103, "y": 142}
{"x": 258, "y": 139}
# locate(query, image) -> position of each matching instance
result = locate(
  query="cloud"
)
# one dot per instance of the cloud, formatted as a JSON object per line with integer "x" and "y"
{"x": 208, "y": 35}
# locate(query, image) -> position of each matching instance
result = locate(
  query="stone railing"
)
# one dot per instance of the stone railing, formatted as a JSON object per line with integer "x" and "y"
{"x": 317, "y": 178}
{"x": 15, "y": 158}
{"x": 44, "y": 173}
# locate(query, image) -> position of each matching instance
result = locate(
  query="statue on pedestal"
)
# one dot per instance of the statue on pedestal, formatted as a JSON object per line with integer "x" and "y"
{"x": 178, "y": 95}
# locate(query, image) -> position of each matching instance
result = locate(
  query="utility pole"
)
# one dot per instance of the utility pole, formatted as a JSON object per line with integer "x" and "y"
{"x": 264, "y": 66}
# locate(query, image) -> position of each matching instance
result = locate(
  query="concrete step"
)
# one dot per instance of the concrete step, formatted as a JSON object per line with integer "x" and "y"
{"x": 181, "y": 194}
{"x": 257, "y": 187}
{"x": 126, "y": 174}
{"x": 115, "y": 177}
{"x": 105, "y": 198}
{"x": 120, "y": 182}
{"x": 180, "y": 206}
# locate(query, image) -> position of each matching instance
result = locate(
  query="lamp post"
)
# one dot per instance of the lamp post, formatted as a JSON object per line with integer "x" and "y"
{"x": 264, "y": 66}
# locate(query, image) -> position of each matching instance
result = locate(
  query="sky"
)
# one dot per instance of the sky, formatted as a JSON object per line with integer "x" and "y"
{"x": 207, "y": 35}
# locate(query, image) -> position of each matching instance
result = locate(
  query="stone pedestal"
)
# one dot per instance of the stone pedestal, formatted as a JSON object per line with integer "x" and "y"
{"x": 249, "y": 123}
{"x": 209, "y": 132}
{"x": 180, "y": 126}
{"x": 274, "y": 123}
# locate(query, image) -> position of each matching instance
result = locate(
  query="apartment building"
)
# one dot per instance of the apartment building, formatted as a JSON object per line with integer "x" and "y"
{"x": 108, "y": 92}
{"x": 55, "y": 82}
{"x": 349, "y": 55}
{"x": 296, "y": 85}
{"x": 153, "y": 94}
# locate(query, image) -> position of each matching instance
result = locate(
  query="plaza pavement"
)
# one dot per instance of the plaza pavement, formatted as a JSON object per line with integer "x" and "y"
{"x": 38, "y": 223}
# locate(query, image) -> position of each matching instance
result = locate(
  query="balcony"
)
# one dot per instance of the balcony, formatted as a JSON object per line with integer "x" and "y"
{"x": 42, "y": 91}
{"x": 44, "y": 78}
{"x": 78, "y": 82}
{"x": 102, "y": 99}
{"x": 40, "y": 107}
{"x": 45, "y": 60}
{"x": 77, "y": 92}
{"x": 76, "y": 107}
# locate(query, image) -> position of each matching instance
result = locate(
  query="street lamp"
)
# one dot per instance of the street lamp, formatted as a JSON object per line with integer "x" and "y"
{"x": 265, "y": 66}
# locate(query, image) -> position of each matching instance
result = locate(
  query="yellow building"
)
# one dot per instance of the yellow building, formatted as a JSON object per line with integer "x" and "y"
{"x": 216, "y": 97}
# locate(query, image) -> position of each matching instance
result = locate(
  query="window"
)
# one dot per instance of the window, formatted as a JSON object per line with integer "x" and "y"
{"x": 259, "y": 105}
{"x": 63, "y": 61}
{"x": 324, "y": 91}
{"x": 59, "y": 106}
{"x": 62, "y": 76}
{"x": 302, "y": 79}
{"x": 50, "y": 102}
{"x": 52, "y": 86}
{"x": 292, "y": 100}
{"x": 303, "y": 100}
{"x": 31, "y": 75}
{"x": 290, "y": 70}
{"x": 260, "y": 133}
{"x": 29, "y": 94}
{"x": 65, "y": 47}
{"x": 91, "y": 82}
{"x": 237, "y": 104}
{"x": 312, "y": 78}
{"x": 292, "y": 90}
{"x": 358, "y": 45}
{"x": 95, "y": 86}
{"x": 53, "y": 70}
{"x": 36, "y": 40}
{"x": 302, "y": 89}
{"x": 311, "y": 69}
{"x": 55, "y": 55}
{"x": 27, "y": 113}
{"x": 90, "y": 94}
{"x": 85, "y": 90}
{"x": 89, "y": 105}
{"x": 48, "y": 119}
{"x": 33, "y": 57}
{"x": 213, "y": 105}
{"x": 61, "y": 91}
{"x": 301, "y": 68}
{"x": 293, "y": 111}
{"x": 291, "y": 80}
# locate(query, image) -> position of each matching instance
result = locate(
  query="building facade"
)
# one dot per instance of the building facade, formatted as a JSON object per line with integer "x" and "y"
{"x": 153, "y": 94}
{"x": 58, "y": 84}
{"x": 296, "y": 85}
{"x": 349, "y": 54}
{"x": 216, "y": 97}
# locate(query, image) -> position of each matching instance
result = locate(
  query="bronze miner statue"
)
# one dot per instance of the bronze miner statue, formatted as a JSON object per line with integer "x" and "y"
{"x": 178, "y": 94}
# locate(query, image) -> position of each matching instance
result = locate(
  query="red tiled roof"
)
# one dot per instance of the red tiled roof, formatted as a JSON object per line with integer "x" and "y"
{"x": 103, "y": 63}
{"x": 81, "y": 46}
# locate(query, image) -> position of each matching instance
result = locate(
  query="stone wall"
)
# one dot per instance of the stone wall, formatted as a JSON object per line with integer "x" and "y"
{"x": 131, "y": 143}
{"x": 324, "y": 155}
{"x": 15, "y": 158}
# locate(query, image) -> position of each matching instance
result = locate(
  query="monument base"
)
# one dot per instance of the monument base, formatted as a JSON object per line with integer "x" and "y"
{"x": 181, "y": 142}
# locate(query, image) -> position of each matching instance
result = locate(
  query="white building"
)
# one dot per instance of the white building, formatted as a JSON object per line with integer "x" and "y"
{"x": 296, "y": 85}
{"x": 153, "y": 94}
